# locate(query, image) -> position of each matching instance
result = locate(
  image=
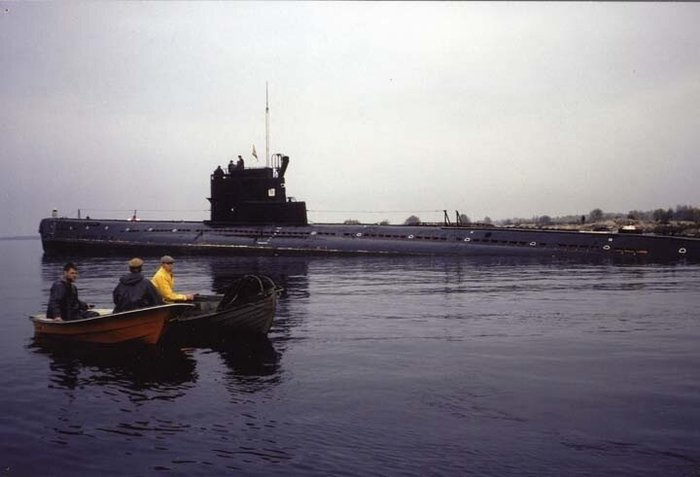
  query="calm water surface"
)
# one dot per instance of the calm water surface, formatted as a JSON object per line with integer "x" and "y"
{"x": 374, "y": 366}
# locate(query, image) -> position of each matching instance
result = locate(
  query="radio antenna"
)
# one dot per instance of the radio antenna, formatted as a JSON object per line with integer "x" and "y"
{"x": 267, "y": 128}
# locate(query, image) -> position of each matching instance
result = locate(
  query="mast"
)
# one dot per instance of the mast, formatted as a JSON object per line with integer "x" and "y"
{"x": 267, "y": 128}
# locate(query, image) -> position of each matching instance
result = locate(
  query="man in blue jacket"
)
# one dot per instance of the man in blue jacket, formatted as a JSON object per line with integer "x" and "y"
{"x": 134, "y": 291}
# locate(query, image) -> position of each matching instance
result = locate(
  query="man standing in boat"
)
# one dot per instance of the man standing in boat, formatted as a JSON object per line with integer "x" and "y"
{"x": 134, "y": 291}
{"x": 63, "y": 300}
{"x": 164, "y": 281}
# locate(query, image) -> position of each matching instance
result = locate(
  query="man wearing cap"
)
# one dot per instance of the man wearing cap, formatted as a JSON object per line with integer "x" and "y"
{"x": 164, "y": 281}
{"x": 134, "y": 291}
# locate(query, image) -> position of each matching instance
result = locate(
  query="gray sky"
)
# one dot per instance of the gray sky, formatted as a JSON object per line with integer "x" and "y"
{"x": 494, "y": 109}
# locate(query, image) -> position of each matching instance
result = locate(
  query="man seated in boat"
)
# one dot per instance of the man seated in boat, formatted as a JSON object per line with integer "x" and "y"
{"x": 134, "y": 291}
{"x": 63, "y": 300}
{"x": 164, "y": 281}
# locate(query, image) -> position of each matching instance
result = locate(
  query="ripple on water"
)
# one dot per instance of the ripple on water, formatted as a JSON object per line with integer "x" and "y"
{"x": 374, "y": 366}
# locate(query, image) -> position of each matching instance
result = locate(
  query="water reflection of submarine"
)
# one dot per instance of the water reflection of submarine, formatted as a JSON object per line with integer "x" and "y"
{"x": 290, "y": 273}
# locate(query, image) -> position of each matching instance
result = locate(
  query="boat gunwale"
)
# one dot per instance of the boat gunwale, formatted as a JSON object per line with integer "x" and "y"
{"x": 41, "y": 317}
{"x": 264, "y": 300}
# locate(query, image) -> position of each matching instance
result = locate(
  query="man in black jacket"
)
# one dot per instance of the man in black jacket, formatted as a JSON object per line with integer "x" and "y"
{"x": 63, "y": 301}
{"x": 134, "y": 291}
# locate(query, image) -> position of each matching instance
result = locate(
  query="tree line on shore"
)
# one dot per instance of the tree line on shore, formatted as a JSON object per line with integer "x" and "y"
{"x": 682, "y": 219}
{"x": 681, "y": 214}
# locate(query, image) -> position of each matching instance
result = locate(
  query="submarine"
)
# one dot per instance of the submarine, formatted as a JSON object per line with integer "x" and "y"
{"x": 251, "y": 214}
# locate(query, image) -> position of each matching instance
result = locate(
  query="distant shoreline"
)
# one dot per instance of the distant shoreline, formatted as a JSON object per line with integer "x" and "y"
{"x": 22, "y": 237}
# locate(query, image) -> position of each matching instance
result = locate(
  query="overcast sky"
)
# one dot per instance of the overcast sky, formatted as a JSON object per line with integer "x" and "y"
{"x": 493, "y": 109}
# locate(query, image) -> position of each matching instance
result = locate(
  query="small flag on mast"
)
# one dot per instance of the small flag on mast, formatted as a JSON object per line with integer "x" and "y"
{"x": 255, "y": 154}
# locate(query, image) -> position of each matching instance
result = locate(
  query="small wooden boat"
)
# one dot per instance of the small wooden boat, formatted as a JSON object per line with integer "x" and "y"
{"x": 247, "y": 308}
{"x": 145, "y": 325}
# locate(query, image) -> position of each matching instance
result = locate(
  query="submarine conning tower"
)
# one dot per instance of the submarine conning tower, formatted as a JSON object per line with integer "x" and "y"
{"x": 241, "y": 195}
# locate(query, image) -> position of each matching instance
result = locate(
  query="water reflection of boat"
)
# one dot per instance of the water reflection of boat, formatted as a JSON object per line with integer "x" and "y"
{"x": 130, "y": 365}
{"x": 145, "y": 325}
{"x": 254, "y": 364}
{"x": 247, "y": 308}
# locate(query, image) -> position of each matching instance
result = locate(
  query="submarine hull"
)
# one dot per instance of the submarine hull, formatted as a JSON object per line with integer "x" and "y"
{"x": 62, "y": 235}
